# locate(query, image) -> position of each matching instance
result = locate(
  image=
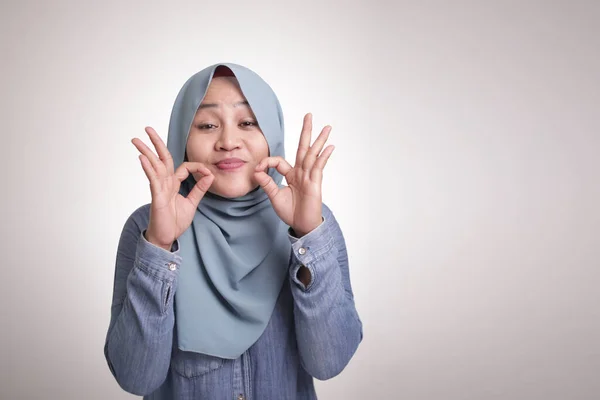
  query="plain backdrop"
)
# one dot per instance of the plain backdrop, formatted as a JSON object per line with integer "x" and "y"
{"x": 465, "y": 179}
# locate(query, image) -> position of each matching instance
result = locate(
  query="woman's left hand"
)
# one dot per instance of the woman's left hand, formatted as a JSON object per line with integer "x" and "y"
{"x": 299, "y": 204}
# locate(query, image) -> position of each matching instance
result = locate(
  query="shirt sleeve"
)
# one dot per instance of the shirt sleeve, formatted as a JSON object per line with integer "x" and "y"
{"x": 140, "y": 335}
{"x": 328, "y": 328}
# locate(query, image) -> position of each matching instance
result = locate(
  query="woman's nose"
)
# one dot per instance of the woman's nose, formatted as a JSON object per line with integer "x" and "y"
{"x": 229, "y": 139}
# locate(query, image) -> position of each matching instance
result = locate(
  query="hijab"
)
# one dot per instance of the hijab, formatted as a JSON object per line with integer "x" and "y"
{"x": 236, "y": 251}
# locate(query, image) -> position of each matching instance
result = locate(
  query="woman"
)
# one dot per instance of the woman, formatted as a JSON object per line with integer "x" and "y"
{"x": 229, "y": 285}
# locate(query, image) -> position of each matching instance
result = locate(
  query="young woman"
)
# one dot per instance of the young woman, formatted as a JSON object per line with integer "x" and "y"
{"x": 229, "y": 285}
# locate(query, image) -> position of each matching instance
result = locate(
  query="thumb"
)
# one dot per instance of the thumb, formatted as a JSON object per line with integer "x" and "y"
{"x": 267, "y": 183}
{"x": 200, "y": 189}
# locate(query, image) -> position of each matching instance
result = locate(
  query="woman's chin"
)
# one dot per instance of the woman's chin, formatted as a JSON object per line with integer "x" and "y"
{"x": 231, "y": 191}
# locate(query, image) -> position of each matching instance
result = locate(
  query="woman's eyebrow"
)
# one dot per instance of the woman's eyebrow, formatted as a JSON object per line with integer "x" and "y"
{"x": 213, "y": 105}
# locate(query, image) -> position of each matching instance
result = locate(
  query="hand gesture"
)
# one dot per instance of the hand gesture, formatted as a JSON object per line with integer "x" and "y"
{"x": 170, "y": 213}
{"x": 299, "y": 204}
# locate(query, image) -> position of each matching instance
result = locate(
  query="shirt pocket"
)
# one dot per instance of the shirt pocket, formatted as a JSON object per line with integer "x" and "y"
{"x": 191, "y": 365}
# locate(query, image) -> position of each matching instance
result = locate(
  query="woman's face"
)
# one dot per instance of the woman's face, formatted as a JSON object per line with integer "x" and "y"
{"x": 225, "y": 137}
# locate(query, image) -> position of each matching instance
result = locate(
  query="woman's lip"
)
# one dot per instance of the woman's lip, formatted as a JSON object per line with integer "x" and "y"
{"x": 230, "y": 164}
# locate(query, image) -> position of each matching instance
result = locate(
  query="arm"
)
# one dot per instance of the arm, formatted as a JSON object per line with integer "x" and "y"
{"x": 140, "y": 334}
{"x": 328, "y": 328}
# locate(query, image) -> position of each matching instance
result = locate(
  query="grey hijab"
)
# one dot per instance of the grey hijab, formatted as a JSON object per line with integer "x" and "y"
{"x": 236, "y": 251}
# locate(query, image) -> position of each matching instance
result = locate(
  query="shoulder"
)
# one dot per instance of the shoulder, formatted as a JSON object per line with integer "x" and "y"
{"x": 139, "y": 218}
{"x": 328, "y": 214}
{"x": 135, "y": 224}
{"x": 327, "y": 211}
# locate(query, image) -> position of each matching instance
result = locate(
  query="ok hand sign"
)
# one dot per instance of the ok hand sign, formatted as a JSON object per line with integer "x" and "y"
{"x": 299, "y": 204}
{"x": 170, "y": 213}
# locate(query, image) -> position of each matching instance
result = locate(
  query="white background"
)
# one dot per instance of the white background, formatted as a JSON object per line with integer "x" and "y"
{"x": 465, "y": 179}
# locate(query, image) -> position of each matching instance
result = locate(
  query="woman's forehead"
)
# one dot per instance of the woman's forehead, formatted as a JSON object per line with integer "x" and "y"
{"x": 223, "y": 90}
{"x": 222, "y": 93}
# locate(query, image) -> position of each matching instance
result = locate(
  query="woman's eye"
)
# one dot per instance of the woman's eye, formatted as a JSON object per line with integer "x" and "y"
{"x": 206, "y": 126}
{"x": 248, "y": 123}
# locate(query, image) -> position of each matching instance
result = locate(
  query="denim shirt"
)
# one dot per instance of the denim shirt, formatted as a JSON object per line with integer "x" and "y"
{"x": 313, "y": 332}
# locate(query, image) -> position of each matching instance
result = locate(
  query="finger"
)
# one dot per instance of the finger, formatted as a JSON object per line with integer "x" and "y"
{"x": 158, "y": 166}
{"x": 267, "y": 183}
{"x": 315, "y": 149}
{"x": 316, "y": 173}
{"x": 163, "y": 153}
{"x": 187, "y": 168}
{"x": 277, "y": 162}
{"x": 304, "y": 143}
{"x": 200, "y": 189}
{"x": 150, "y": 173}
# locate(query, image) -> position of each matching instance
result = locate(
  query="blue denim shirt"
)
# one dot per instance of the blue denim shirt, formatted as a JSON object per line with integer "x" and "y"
{"x": 313, "y": 331}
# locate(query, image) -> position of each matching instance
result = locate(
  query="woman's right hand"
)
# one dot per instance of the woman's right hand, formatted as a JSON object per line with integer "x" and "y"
{"x": 170, "y": 213}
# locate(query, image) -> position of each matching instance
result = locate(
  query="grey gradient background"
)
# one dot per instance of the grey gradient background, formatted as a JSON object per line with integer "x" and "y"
{"x": 466, "y": 179}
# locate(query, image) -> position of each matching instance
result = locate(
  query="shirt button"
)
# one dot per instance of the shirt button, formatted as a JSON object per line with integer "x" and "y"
{"x": 302, "y": 251}
{"x": 172, "y": 266}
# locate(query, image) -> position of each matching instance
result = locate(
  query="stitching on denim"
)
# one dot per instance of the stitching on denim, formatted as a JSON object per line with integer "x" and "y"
{"x": 176, "y": 362}
{"x": 315, "y": 260}
{"x": 150, "y": 271}
{"x": 320, "y": 251}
